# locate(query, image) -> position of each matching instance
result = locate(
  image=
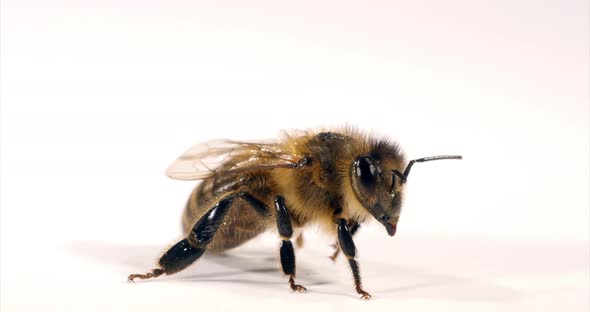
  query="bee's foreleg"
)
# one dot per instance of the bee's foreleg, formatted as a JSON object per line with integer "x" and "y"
{"x": 188, "y": 250}
{"x": 354, "y": 226}
{"x": 287, "y": 253}
{"x": 349, "y": 249}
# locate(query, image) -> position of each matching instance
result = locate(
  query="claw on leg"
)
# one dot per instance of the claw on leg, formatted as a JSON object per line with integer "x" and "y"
{"x": 153, "y": 274}
{"x": 296, "y": 287}
{"x": 365, "y": 295}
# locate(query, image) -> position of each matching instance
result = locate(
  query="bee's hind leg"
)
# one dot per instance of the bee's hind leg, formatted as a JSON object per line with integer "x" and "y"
{"x": 188, "y": 250}
{"x": 287, "y": 252}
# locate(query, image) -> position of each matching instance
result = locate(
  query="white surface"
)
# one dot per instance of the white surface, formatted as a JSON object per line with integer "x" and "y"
{"x": 97, "y": 99}
{"x": 407, "y": 273}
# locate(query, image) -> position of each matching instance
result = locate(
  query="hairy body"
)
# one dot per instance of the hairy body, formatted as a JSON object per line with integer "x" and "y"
{"x": 336, "y": 179}
{"x": 314, "y": 194}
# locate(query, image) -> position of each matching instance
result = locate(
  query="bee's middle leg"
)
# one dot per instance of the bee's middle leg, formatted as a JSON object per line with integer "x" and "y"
{"x": 287, "y": 252}
{"x": 354, "y": 226}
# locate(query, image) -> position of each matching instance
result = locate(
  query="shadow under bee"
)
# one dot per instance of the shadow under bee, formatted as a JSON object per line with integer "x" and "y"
{"x": 223, "y": 267}
{"x": 258, "y": 266}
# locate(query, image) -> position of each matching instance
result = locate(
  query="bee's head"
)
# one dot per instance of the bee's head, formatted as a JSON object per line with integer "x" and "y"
{"x": 378, "y": 181}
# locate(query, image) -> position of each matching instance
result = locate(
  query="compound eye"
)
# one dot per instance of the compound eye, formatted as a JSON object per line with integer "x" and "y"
{"x": 366, "y": 171}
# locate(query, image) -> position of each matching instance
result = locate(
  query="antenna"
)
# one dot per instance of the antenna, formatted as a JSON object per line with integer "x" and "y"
{"x": 404, "y": 176}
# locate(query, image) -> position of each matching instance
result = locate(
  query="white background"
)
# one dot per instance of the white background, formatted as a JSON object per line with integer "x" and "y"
{"x": 99, "y": 96}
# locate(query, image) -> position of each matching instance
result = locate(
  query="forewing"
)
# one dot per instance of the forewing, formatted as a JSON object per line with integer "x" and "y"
{"x": 200, "y": 160}
{"x": 216, "y": 157}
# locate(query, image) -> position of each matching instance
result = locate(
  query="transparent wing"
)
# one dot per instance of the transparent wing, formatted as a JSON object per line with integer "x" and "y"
{"x": 215, "y": 157}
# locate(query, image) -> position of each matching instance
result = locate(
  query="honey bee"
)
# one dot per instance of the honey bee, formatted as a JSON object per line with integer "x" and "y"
{"x": 335, "y": 179}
